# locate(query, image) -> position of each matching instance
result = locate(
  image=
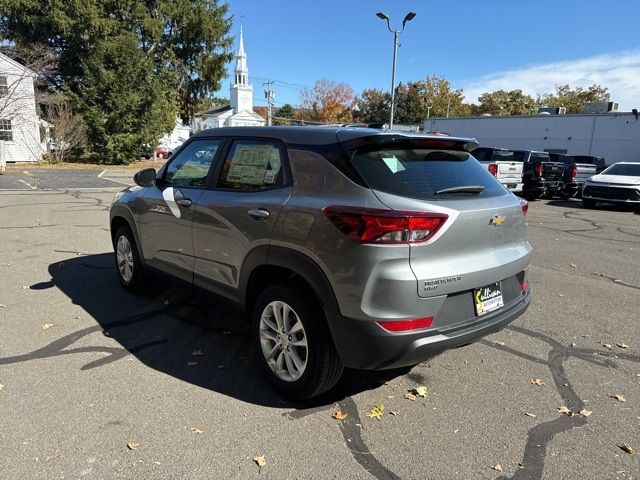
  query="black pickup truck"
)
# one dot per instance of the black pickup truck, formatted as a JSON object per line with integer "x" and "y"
{"x": 599, "y": 162}
{"x": 575, "y": 174}
{"x": 540, "y": 175}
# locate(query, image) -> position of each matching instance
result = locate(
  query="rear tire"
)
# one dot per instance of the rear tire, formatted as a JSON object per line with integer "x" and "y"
{"x": 128, "y": 265}
{"x": 295, "y": 349}
{"x": 587, "y": 203}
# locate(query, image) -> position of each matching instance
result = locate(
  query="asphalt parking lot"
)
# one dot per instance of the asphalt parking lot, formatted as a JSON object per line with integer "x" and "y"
{"x": 87, "y": 368}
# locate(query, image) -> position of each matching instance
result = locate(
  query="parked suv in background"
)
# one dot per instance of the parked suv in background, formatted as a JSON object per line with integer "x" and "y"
{"x": 575, "y": 174}
{"x": 502, "y": 164}
{"x": 540, "y": 175}
{"x": 346, "y": 247}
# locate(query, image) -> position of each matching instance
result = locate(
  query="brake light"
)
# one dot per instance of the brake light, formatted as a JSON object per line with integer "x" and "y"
{"x": 493, "y": 169}
{"x": 364, "y": 225}
{"x": 524, "y": 206}
{"x": 524, "y": 285}
{"x": 573, "y": 171}
{"x": 537, "y": 169}
{"x": 405, "y": 325}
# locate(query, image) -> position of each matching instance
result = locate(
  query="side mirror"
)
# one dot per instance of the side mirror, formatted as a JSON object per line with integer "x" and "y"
{"x": 146, "y": 177}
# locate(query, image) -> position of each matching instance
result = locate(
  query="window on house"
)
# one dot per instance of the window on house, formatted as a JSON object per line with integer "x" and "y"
{"x": 4, "y": 89}
{"x": 6, "y": 133}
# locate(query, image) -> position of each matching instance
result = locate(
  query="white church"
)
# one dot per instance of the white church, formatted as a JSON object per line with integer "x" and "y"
{"x": 239, "y": 113}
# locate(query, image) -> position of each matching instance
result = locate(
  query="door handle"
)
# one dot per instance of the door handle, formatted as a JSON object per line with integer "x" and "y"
{"x": 184, "y": 202}
{"x": 258, "y": 213}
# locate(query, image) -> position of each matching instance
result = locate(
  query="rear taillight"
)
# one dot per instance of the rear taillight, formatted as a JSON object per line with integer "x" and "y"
{"x": 523, "y": 286}
{"x": 405, "y": 325}
{"x": 537, "y": 169}
{"x": 493, "y": 169}
{"x": 524, "y": 206}
{"x": 573, "y": 171}
{"x": 364, "y": 225}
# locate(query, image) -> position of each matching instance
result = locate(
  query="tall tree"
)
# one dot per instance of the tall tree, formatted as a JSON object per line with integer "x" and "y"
{"x": 501, "y": 102}
{"x": 284, "y": 115}
{"x": 374, "y": 105}
{"x": 434, "y": 95}
{"x": 574, "y": 99}
{"x": 177, "y": 49}
{"x": 328, "y": 102}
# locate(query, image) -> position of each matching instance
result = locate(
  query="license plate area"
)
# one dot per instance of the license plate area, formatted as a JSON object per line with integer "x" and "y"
{"x": 512, "y": 185}
{"x": 488, "y": 299}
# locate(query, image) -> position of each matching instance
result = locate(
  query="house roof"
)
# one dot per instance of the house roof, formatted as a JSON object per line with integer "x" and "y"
{"x": 213, "y": 111}
{"x": 16, "y": 64}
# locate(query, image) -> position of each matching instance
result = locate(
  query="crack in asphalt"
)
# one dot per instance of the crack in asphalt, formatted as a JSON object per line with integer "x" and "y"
{"x": 617, "y": 281}
{"x": 539, "y": 436}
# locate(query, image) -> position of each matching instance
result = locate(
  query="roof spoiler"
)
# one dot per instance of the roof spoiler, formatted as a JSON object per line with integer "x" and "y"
{"x": 376, "y": 142}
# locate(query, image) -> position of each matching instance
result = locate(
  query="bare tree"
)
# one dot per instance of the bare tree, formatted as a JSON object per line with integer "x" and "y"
{"x": 68, "y": 131}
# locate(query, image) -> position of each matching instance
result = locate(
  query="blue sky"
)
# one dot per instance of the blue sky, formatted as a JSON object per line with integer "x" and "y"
{"x": 476, "y": 45}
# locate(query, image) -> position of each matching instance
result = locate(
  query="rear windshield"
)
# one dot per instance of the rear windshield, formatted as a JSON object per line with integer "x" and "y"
{"x": 420, "y": 173}
{"x": 623, "y": 169}
{"x": 539, "y": 157}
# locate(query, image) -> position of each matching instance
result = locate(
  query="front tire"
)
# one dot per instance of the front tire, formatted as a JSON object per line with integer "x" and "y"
{"x": 128, "y": 265}
{"x": 295, "y": 349}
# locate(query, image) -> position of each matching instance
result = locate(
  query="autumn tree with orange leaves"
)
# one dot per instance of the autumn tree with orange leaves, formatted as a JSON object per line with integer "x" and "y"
{"x": 327, "y": 102}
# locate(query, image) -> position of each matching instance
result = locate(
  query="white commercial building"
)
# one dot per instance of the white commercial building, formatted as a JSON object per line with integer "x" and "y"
{"x": 20, "y": 139}
{"x": 239, "y": 112}
{"x": 614, "y": 136}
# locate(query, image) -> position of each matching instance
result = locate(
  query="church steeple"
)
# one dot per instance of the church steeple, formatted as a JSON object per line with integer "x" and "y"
{"x": 241, "y": 90}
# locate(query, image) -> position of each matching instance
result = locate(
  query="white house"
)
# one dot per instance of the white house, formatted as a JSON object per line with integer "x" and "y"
{"x": 19, "y": 123}
{"x": 176, "y": 137}
{"x": 240, "y": 110}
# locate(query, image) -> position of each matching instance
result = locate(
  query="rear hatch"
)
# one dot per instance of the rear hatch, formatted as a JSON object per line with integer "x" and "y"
{"x": 483, "y": 241}
{"x": 552, "y": 171}
{"x": 509, "y": 170}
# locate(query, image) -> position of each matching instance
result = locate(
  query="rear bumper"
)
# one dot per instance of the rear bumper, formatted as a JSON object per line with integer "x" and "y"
{"x": 364, "y": 345}
{"x": 543, "y": 185}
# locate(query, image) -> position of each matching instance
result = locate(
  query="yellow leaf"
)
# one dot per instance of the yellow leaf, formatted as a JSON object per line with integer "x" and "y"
{"x": 339, "y": 415}
{"x": 410, "y": 396}
{"x": 195, "y": 430}
{"x": 133, "y": 445}
{"x": 585, "y": 413}
{"x": 564, "y": 410}
{"x": 530, "y": 415}
{"x": 1, "y": 387}
{"x": 622, "y": 345}
{"x": 47, "y": 325}
{"x": 260, "y": 461}
{"x": 376, "y": 411}
{"x": 573, "y": 265}
{"x": 620, "y": 398}
{"x": 627, "y": 448}
{"x": 420, "y": 391}
{"x": 607, "y": 345}
{"x": 537, "y": 381}
{"x": 497, "y": 467}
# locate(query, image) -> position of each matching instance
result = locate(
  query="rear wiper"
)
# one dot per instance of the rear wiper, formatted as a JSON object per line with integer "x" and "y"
{"x": 461, "y": 189}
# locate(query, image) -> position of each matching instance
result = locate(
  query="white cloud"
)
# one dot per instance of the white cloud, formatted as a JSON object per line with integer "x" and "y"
{"x": 619, "y": 72}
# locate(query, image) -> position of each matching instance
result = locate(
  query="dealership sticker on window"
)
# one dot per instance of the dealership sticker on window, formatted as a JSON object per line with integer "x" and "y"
{"x": 393, "y": 164}
{"x": 270, "y": 176}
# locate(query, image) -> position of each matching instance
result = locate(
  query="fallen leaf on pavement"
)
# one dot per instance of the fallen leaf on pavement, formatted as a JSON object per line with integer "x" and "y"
{"x": 260, "y": 461}
{"x": 1, "y": 387}
{"x": 573, "y": 265}
{"x": 533, "y": 415}
{"x": 197, "y": 353}
{"x": 499, "y": 343}
{"x": 497, "y": 467}
{"x": 47, "y": 325}
{"x": 617, "y": 280}
{"x": 339, "y": 415}
{"x": 192, "y": 364}
{"x": 392, "y": 412}
{"x": 627, "y": 448}
{"x": 537, "y": 381}
{"x": 24, "y": 287}
{"x": 2, "y": 305}
{"x": 622, "y": 345}
{"x": 195, "y": 430}
{"x": 376, "y": 411}
{"x": 133, "y": 445}
{"x": 620, "y": 398}
{"x": 391, "y": 396}
{"x": 572, "y": 344}
{"x": 410, "y": 396}
{"x": 420, "y": 391}
{"x": 565, "y": 410}
{"x": 585, "y": 413}
{"x": 77, "y": 317}
{"x": 607, "y": 345}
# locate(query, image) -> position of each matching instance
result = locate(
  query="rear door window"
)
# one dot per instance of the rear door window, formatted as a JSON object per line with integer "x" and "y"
{"x": 420, "y": 173}
{"x": 252, "y": 165}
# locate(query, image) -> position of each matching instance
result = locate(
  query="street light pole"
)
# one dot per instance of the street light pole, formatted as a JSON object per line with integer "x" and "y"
{"x": 408, "y": 17}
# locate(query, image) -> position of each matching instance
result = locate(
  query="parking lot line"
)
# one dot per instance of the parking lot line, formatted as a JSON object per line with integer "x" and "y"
{"x": 32, "y": 187}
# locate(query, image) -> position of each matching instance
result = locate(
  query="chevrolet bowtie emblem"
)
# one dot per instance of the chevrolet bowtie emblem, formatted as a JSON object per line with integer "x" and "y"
{"x": 497, "y": 220}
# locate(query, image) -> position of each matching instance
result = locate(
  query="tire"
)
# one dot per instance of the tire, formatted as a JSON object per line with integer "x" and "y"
{"x": 587, "y": 203}
{"x": 132, "y": 274}
{"x": 305, "y": 371}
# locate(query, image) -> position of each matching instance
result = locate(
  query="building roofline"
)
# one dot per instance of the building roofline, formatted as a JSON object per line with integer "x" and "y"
{"x": 531, "y": 116}
{"x": 18, "y": 64}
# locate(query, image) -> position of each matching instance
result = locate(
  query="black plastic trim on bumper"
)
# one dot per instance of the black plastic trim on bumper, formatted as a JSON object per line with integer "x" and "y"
{"x": 365, "y": 345}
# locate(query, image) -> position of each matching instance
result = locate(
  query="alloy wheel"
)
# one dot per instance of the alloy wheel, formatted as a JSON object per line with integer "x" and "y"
{"x": 124, "y": 255}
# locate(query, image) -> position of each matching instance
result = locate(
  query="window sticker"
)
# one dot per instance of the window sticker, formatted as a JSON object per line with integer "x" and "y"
{"x": 270, "y": 177}
{"x": 393, "y": 164}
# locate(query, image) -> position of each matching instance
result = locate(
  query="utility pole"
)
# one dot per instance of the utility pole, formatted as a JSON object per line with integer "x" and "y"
{"x": 269, "y": 95}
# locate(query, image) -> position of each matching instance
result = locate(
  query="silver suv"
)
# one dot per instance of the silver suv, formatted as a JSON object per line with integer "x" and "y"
{"x": 345, "y": 247}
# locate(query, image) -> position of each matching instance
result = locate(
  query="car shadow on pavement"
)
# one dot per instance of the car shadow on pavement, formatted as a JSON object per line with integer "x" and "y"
{"x": 576, "y": 203}
{"x": 190, "y": 335}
